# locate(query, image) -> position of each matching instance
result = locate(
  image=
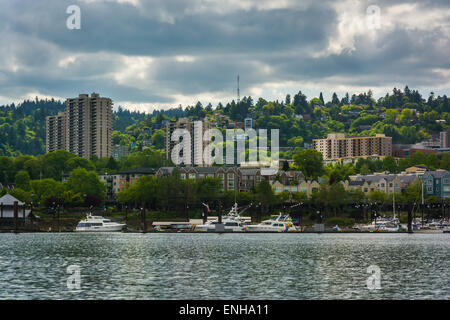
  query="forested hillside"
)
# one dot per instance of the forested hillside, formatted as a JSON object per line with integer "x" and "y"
{"x": 405, "y": 115}
{"x": 22, "y": 127}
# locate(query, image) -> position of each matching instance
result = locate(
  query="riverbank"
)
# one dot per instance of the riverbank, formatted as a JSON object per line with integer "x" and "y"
{"x": 67, "y": 221}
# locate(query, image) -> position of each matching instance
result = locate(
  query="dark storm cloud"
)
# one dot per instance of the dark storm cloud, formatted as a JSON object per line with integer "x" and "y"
{"x": 198, "y": 48}
{"x": 133, "y": 30}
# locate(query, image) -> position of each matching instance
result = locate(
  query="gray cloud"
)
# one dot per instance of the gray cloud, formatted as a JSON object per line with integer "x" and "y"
{"x": 161, "y": 53}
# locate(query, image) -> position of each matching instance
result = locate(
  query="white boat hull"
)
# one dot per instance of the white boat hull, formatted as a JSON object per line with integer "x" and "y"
{"x": 116, "y": 228}
{"x": 212, "y": 228}
{"x": 258, "y": 228}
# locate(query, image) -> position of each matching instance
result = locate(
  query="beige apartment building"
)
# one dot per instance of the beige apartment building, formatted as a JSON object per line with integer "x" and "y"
{"x": 339, "y": 147}
{"x": 55, "y": 132}
{"x": 196, "y": 146}
{"x": 86, "y": 128}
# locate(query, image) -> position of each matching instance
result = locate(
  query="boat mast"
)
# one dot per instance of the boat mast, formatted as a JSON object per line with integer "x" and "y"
{"x": 393, "y": 202}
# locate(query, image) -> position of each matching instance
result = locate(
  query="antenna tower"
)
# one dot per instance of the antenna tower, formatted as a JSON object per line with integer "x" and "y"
{"x": 238, "y": 93}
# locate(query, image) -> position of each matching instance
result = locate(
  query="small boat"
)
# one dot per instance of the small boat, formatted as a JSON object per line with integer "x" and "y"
{"x": 381, "y": 224}
{"x": 446, "y": 229}
{"x": 98, "y": 224}
{"x": 232, "y": 222}
{"x": 276, "y": 224}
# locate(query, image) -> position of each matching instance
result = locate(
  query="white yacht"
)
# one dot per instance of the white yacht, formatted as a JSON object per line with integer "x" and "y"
{"x": 382, "y": 224}
{"x": 232, "y": 222}
{"x": 98, "y": 224}
{"x": 275, "y": 224}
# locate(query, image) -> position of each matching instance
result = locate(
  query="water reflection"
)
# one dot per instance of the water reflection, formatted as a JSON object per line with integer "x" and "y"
{"x": 228, "y": 266}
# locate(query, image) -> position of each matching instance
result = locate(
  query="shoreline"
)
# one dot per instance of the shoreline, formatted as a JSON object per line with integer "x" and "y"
{"x": 231, "y": 232}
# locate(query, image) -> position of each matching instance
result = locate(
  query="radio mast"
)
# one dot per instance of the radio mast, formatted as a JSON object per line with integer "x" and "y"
{"x": 238, "y": 93}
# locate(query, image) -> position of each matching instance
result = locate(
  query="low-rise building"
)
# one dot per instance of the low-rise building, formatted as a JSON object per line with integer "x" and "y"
{"x": 308, "y": 187}
{"x": 228, "y": 175}
{"x": 25, "y": 217}
{"x": 436, "y": 183}
{"x": 118, "y": 181}
{"x": 387, "y": 183}
{"x": 234, "y": 178}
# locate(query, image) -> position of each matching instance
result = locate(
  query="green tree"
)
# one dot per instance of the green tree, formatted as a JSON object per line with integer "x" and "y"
{"x": 6, "y": 169}
{"x": 33, "y": 167}
{"x": 46, "y": 188}
{"x": 208, "y": 189}
{"x": 418, "y": 158}
{"x": 112, "y": 164}
{"x": 85, "y": 183}
{"x": 310, "y": 162}
{"x": 336, "y": 196}
{"x": 378, "y": 197}
{"x": 295, "y": 142}
{"x": 78, "y": 162}
{"x": 22, "y": 180}
{"x": 413, "y": 193}
{"x": 432, "y": 161}
{"x": 146, "y": 190}
{"x": 389, "y": 164}
{"x": 265, "y": 195}
{"x": 21, "y": 195}
{"x": 53, "y": 164}
{"x": 445, "y": 161}
{"x": 158, "y": 139}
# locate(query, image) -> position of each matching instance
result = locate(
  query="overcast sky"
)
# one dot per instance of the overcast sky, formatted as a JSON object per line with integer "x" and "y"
{"x": 162, "y": 53}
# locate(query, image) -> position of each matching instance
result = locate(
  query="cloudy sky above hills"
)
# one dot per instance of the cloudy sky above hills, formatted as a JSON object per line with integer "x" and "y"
{"x": 162, "y": 53}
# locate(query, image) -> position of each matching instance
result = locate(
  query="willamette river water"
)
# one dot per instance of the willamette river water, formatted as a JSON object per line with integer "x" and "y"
{"x": 224, "y": 266}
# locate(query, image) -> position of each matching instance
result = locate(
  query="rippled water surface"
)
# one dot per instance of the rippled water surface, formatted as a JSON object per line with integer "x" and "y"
{"x": 224, "y": 266}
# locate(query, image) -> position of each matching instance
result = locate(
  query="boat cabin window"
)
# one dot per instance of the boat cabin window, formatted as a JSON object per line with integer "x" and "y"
{"x": 89, "y": 224}
{"x": 232, "y": 224}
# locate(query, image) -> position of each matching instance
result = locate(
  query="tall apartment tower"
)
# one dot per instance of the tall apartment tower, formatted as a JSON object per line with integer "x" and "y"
{"x": 337, "y": 146}
{"x": 196, "y": 130}
{"x": 55, "y": 129}
{"x": 87, "y": 127}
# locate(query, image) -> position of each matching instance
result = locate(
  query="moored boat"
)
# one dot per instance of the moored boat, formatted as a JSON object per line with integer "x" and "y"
{"x": 98, "y": 224}
{"x": 276, "y": 224}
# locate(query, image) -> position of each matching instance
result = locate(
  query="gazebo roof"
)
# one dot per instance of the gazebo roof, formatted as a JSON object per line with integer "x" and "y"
{"x": 8, "y": 200}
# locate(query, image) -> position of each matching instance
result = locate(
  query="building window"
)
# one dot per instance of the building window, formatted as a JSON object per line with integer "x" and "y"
{"x": 191, "y": 175}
